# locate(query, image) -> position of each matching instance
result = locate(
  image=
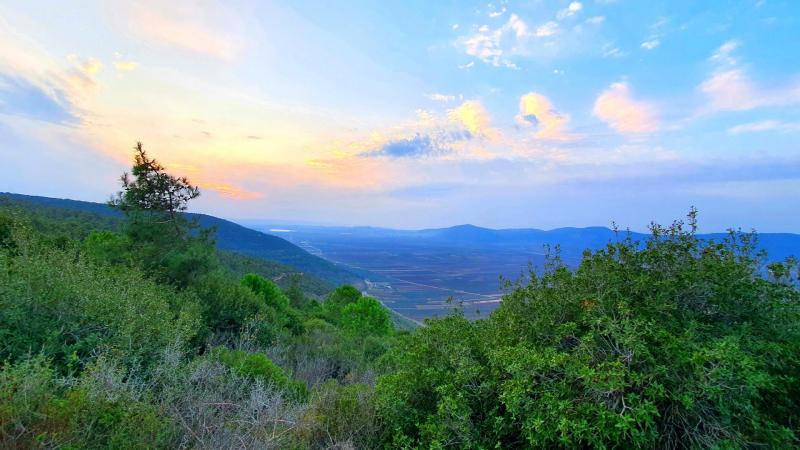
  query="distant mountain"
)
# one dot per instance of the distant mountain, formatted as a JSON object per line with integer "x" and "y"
{"x": 571, "y": 240}
{"x": 229, "y": 236}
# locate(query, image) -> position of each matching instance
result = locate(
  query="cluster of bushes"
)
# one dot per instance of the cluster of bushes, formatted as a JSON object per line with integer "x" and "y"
{"x": 671, "y": 343}
{"x": 137, "y": 338}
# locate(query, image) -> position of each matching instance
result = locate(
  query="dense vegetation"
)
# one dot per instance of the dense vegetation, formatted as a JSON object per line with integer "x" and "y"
{"x": 137, "y": 336}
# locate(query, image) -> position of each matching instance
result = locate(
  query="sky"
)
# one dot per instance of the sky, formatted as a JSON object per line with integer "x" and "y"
{"x": 408, "y": 114}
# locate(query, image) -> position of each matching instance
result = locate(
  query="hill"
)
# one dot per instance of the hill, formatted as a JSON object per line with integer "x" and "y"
{"x": 229, "y": 236}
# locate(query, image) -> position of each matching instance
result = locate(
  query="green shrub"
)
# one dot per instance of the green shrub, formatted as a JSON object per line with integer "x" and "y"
{"x": 675, "y": 343}
{"x": 68, "y": 309}
{"x": 35, "y": 414}
{"x": 341, "y": 416}
{"x": 226, "y": 304}
{"x": 107, "y": 247}
{"x": 366, "y": 317}
{"x": 258, "y": 366}
{"x": 267, "y": 290}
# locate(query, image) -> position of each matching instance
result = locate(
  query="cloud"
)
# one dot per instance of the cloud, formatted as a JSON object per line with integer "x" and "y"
{"x": 723, "y": 55}
{"x": 651, "y": 44}
{"x": 572, "y": 9}
{"x": 467, "y": 65}
{"x": 421, "y": 145}
{"x": 185, "y": 29}
{"x": 498, "y": 13}
{"x": 729, "y": 87}
{"x": 489, "y": 45}
{"x": 472, "y": 115}
{"x": 547, "y": 29}
{"x": 441, "y": 97}
{"x": 617, "y": 107}
{"x": 765, "y": 125}
{"x": 535, "y": 110}
{"x": 596, "y": 20}
{"x": 83, "y": 71}
{"x": 20, "y": 97}
{"x": 125, "y": 65}
{"x": 611, "y": 51}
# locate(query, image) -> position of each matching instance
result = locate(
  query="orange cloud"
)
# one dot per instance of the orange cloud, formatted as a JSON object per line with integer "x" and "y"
{"x": 536, "y": 110}
{"x": 185, "y": 30}
{"x": 617, "y": 107}
{"x": 472, "y": 115}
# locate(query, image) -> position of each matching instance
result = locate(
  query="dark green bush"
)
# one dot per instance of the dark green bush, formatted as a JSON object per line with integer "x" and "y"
{"x": 258, "y": 366}
{"x": 673, "y": 343}
{"x": 267, "y": 290}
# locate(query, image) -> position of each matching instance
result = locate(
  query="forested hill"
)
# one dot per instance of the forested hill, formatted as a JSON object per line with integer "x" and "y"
{"x": 229, "y": 236}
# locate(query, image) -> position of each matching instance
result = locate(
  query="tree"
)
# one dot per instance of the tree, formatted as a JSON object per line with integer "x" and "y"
{"x": 366, "y": 317}
{"x": 166, "y": 244}
{"x": 152, "y": 189}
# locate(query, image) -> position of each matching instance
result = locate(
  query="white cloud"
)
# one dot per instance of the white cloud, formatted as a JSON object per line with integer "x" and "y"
{"x": 765, "y": 125}
{"x": 612, "y": 51}
{"x": 499, "y": 13}
{"x": 455, "y": 26}
{"x": 467, "y": 65}
{"x": 596, "y": 20}
{"x": 651, "y": 44}
{"x": 617, "y": 107}
{"x": 547, "y": 29}
{"x": 440, "y": 97}
{"x": 487, "y": 45}
{"x": 729, "y": 87}
{"x": 572, "y": 9}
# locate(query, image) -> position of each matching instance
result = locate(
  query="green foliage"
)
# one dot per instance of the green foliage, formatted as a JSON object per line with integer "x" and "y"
{"x": 107, "y": 247}
{"x": 56, "y": 303}
{"x": 267, "y": 290}
{"x": 226, "y": 304}
{"x": 164, "y": 243}
{"x": 258, "y": 366}
{"x": 6, "y": 233}
{"x": 34, "y": 413}
{"x": 365, "y": 317}
{"x": 288, "y": 278}
{"x": 341, "y": 416}
{"x": 672, "y": 343}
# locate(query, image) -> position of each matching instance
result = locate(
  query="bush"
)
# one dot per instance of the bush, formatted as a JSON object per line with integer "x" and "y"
{"x": 226, "y": 304}
{"x": 341, "y": 416}
{"x": 366, "y": 317}
{"x": 34, "y": 414}
{"x": 258, "y": 367}
{"x": 675, "y": 343}
{"x": 267, "y": 290}
{"x": 70, "y": 310}
{"x": 106, "y": 247}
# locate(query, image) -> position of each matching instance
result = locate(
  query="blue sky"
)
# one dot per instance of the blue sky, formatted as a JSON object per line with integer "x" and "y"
{"x": 415, "y": 114}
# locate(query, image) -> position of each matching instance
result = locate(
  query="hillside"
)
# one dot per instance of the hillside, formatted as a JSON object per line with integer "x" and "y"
{"x": 229, "y": 236}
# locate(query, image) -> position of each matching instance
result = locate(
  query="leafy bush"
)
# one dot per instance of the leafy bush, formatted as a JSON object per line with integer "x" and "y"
{"x": 226, "y": 304}
{"x": 673, "y": 343}
{"x": 258, "y": 366}
{"x": 68, "y": 309}
{"x": 366, "y": 317}
{"x": 34, "y": 413}
{"x": 341, "y": 416}
{"x": 267, "y": 290}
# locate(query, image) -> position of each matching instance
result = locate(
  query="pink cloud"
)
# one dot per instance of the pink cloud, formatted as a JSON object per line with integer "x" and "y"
{"x": 617, "y": 107}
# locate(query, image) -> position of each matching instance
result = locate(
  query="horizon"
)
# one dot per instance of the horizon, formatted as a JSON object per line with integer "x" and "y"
{"x": 543, "y": 114}
{"x": 263, "y": 225}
